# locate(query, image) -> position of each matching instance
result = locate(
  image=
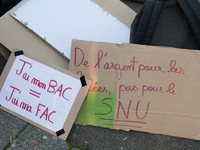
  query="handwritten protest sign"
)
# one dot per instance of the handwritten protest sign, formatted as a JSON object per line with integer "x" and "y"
{"x": 144, "y": 88}
{"x": 47, "y": 96}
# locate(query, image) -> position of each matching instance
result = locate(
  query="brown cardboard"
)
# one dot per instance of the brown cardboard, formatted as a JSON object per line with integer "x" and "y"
{"x": 15, "y": 35}
{"x": 75, "y": 106}
{"x": 113, "y": 7}
{"x": 156, "y": 91}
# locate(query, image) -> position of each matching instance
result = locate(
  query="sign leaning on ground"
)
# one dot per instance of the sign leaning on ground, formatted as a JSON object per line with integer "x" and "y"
{"x": 136, "y": 87}
{"x": 42, "y": 94}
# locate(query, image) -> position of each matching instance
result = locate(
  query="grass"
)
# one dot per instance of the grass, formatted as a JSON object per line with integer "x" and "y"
{"x": 14, "y": 137}
{"x": 70, "y": 144}
{"x": 73, "y": 145}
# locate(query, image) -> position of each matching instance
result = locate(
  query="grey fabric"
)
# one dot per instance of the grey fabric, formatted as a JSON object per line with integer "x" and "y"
{"x": 153, "y": 21}
{"x": 172, "y": 28}
{"x": 139, "y": 1}
{"x": 144, "y": 22}
{"x": 148, "y": 22}
{"x": 191, "y": 10}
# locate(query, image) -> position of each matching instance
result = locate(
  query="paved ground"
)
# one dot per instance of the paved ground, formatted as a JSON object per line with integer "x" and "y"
{"x": 19, "y": 135}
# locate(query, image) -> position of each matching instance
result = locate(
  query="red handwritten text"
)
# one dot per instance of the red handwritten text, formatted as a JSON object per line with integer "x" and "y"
{"x": 100, "y": 55}
{"x": 45, "y": 113}
{"x": 25, "y": 76}
{"x": 38, "y": 83}
{"x": 108, "y": 66}
{"x": 52, "y": 89}
{"x": 14, "y": 101}
{"x": 148, "y": 68}
{"x": 106, "y": 105}
{"x": 174, "y": 69}
{"x": 146, "y": 88}
{"x": 95, "y": 88}
{"x": 123, "y": 88}
{"x": 14, "y": 88}
{"x": 80, "y": 73}
{"x": 85, "y": 63}
{"x": 26, "y": 107}
{"x": 145, "y": 113}
{"x": 171, "y": 89}
{"x": 126, "y": 114}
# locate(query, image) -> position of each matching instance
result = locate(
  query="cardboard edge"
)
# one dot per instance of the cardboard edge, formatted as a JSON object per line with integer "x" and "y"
{"x": 43, "y": 39}
{"x": 113, "y": 7}
{"x": 4, "y": 51}
{"x": 6, "y": 70}
{"x": 77, "y": 105}
{"x": 11, "y": 30}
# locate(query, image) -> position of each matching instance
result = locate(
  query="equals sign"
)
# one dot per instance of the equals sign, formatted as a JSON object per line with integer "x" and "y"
{"x": 34, "y": 93}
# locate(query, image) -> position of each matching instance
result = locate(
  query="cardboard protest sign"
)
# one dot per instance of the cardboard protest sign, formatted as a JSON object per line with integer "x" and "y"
{"x": 40, "y": 93}
{"x": 137, "y": 87}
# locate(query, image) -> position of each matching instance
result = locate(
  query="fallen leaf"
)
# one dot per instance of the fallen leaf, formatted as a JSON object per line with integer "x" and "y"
{"x": 188, "y": 145}
{"x": 32, "y": 143}
{"x": 124, "y": 138}
{"x": 12, "y": 138}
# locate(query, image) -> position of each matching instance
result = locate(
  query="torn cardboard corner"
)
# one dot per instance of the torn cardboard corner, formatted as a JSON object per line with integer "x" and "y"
{"x": 88, "y": 22}
{"x": 125, "y": 15}
{"x": 41, "y": 93}
{"x": 137, "y": 87}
